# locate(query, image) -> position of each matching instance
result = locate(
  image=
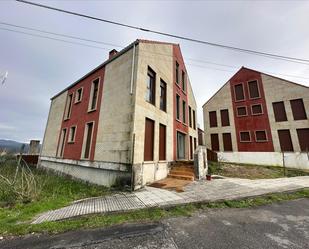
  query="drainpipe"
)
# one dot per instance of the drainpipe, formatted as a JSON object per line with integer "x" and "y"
{"x": 132, "y": 72}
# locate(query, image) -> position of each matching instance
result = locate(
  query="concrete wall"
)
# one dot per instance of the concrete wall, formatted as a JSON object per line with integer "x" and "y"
{"x": 281, "y": 90}
{"x": 292, "y": 160}
{"x": 53, "y": 127}
{"x": 100, "y": 173}
{"x": 159, "y": 58}
{"x": 220, "y": 101}
{"x": 114, "y": 138}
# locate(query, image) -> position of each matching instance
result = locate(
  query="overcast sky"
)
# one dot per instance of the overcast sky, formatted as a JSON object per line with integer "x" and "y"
{"x": 39, "y": 68}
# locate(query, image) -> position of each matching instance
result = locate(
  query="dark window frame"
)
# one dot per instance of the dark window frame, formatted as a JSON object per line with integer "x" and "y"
{"x": 87, "y": 146}
{"x": 260, "y": 113}
{"x": 151, "y": 91}
{"x": 94, "y": 94}
{"x": 261, "y": 141}
{"x": 211, "y": 141}
{"x": 163, "y": 104}
{"x": 258, "y": 89}
{"x": 224, "y": 144}
{"x": 303, "y": 140}
{"x": 177, "y": 73}
{"x": 290, "y": 140}
{"x": 68, "y": 107}
{"x": 79, "y": 95}
{"x": 244, "y": 115}
{"x": 194, "y": 119}
{"x": 243, "y": 92}
{"x": 276, "y": 111}
{"x": 178, "y": 107}
{"x": 151, "y": 159}
{"x": 162, "y": 157}
{"x": 70, "y": 138}
{"x": 295, "y": 112}
{"x": 222, "y": 119}
{"x": 213, "y": 122}
{"x": 184, "y": 112}
{"x": 245, "y": 141}
{"x": 183, "y": 79}
{"x": 190, "y": 116}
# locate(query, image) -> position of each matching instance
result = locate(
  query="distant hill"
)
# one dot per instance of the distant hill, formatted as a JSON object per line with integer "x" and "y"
{"x": 13, "y": 146}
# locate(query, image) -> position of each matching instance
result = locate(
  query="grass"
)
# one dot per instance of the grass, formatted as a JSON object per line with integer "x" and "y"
{"x": 56, "y": 191}
{"x": 254, "y": 171}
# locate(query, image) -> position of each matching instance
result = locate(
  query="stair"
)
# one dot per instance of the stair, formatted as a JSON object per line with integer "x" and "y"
{"x": 183, "y": 170}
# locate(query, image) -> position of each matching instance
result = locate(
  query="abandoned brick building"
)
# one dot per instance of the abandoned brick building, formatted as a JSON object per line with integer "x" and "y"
{"x": 130, "y": 117}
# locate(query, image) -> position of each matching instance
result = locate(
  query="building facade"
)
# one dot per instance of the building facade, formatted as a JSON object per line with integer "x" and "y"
{"x": 129, "y": 118}
{"x": 257, "y": 112}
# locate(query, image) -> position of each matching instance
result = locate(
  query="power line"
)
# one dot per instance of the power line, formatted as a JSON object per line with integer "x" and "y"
{"x": 292, "y": 59}
{"x": 86, "y": 45}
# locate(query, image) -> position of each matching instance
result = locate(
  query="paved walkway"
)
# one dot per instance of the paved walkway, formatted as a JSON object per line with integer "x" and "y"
{"x": 219, "y": 189}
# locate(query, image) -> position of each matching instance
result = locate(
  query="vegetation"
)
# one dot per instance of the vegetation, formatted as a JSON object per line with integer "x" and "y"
{"x": 253, "y": 171}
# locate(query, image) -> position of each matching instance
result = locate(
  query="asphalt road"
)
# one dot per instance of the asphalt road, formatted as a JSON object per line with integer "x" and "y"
{"x": 281, "y": 225}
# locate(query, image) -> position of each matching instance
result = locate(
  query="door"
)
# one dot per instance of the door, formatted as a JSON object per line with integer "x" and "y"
{"x": 180, "y": 145}
{"x": 149, "y": 140}
{"x": 162, "y": 143}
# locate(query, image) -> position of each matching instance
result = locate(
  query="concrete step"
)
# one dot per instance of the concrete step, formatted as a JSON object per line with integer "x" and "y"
{"x": 183, "y": 168}
{"x": 181, "y": 177}
{"x": 181, "y": 172}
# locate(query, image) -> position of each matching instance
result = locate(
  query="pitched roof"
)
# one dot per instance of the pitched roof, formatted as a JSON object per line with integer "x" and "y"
{"x": 121, "y": 52}
{"x": 257, "y": 72}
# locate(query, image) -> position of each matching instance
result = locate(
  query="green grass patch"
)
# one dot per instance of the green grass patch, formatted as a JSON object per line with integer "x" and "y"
{"x": 250, "y": 171}
{"x": 10, "y": 223}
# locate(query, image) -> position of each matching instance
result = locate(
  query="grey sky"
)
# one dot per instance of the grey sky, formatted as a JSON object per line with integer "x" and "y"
{"x": 39, "y": 68}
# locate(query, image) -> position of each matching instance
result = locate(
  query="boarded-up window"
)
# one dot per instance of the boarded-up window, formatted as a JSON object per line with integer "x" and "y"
{"x": 279, "y": 111}
{"x": 149, "y": 140}
{"x": 183, "y": 77}
{"x": 190, "y": 117}
{"x": 151, "y": 86}
{"x": 285, "y": 140}
{"x": 184, "y": 111}
{"x": 256, "y": 109}
{"x": 163, "y": 95}
{"x": 239, "y": 92}
{"x": 213, "y": 119}
{"x": 94, "y": 94}
{"x": 214, "y": 142}
{"x": 245, "y": 136}
{"x": 225, "y": 121}
{"x": 177, "y": 72}
{"x": 303, "y": 138}
{"x": 194, "y": 123}
{"x": 227, "y": 142}
{"x": 253, "y": 89}
{"x": 260, "y": 136}
{"x": 177, "y": 107}
{"x": 162, "y": 142}
{"x": 241, "y": 111}
{"x": 89, "y": 128}
{"x": 62, "y": 143}
{"x": 298, "y": 109}
{"x": 191, "y": 148}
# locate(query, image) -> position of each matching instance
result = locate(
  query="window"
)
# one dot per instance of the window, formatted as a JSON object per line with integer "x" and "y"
{"x": 184, "y": 110}
{"x": 279, "y": 111}
{"x": 68, "y": 106}
{"x": 260, "y": 136}
{"x": 163, "y": 95}
{"x": 79, "y": 95}
{"x": 62, "y": 142}
{"x": 194, "y": 143}
{"x": 303, "y": 138}
{"x": 72, "y": 134}
{"x": 241, "y": 111}
{"x": 177, "y": 107}
{"x": 88, "y": 140}
{"x": 253, "y": 89}
{"x": 194, "y": 123}
{"x": 94, "y": 95}
{"x": 191, "y": 148}
{"x": 245, "y": 136}
{"x": 149, "y": 140}
{"x": 177, "y": 72}
{"x": 285, "y": 140}
{"x": 256, "y": 109}
{"x": 213, "y": 119}
{"x": 225, "y": 121}
{"x": 181, "y": 145}
{"x": 190, "y": 117}
{"x": 298, "y": 109}
{"x": 162, "y": 142}
{"x": 150, "y": 86}
{"x": 239, "y": 92}
{"x": 214, "y": 138}
{"x": 183, "y": 79}
{"x": 227, "y": 142}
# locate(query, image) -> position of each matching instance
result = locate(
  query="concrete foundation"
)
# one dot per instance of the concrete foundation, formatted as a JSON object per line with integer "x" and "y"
{"x": 291, "y": 160}
{"x": 101, "y": 173}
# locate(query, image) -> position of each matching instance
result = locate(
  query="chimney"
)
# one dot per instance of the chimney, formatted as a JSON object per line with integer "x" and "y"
{"x": 112, "y": 53}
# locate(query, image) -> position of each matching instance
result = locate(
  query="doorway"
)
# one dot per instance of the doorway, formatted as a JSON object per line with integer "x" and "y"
{"x": 181, "y": 145}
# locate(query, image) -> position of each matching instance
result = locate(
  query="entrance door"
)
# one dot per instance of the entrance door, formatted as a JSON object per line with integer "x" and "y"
{"x": 180, "y": 145}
